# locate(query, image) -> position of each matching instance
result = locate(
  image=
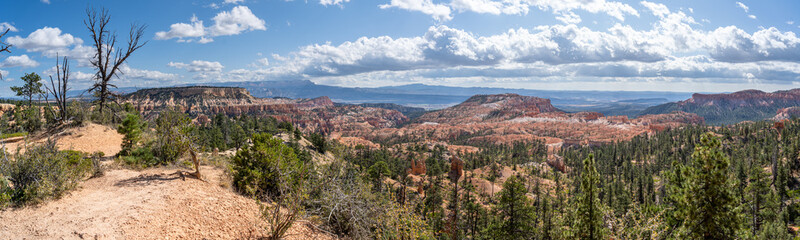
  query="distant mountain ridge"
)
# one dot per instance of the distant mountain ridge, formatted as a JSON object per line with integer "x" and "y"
{"x": 430, "y": 97}
{"x": 730, "y": 108}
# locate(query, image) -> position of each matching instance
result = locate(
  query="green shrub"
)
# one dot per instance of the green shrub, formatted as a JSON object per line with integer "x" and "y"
{"x": 173, "y": 136}
{"x": 77, "y": 112}
{"x": 5, "y": 193}
{"x": 140, "y": 157}
{"x": 257, "y": 168}
{"x": 319, "y": 142}
{"x": 131, "y": 127}
{"x": 29, "y": 119}
{"x": 43, "y": 172}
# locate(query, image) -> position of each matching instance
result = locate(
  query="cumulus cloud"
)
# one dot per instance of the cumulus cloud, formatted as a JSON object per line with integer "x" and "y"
{"x": 658, "y": 9}
{"x": 751, "y": 16}
{"x": 563, "y": 9}
{"x": 133, "y": 74}
{"x": 44, "y": 39}
{"x": 240, "y": 19}
{"x": 182, "y": 30}
{"x": 7, "y": 26}
{"x": 439, "y": 12}
{"x": 51, "y": 42}
{"x": 731, "y": 44}
{"x": 19, "y": 61}
{"x": 562, "y": 51}
{"x": 198, "y": 66}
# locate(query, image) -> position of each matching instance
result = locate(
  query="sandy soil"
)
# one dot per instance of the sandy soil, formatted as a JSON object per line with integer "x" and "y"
{"x": 89, "y": 138}
{"x": 151, "y": 204}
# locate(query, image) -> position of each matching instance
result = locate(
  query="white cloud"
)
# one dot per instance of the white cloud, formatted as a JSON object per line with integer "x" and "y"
{"x": 658, "y": 9}
{"x": 263, "y": 62}
{"x": 490, "y": 7}
{"x": 198, "y": 66}
{"x": 19, "y": 61}
{"x": 240, "y": 19}
{"x": 44, "y": 39}
{"x": 731, "y": 44}
{"x": 132, "y": 74}
{"x": 46, "y": 1}
{"x": 182, "y": 30}
{"x": 790, "y": 22}
{"x": 4, "y": 73}
{"x": 233, "y": 1}
{"x": 556, "y": 51}
{"x": 751, "y": 16}
{"x": 563, "y": 9}
{"x": 569, "y": 18}
{"x": 437, "y": 11}
{"x": 742, "y": 6}
{"x": 7, "y": 26}
{"x": 332, "y": 2}
{"x": 617, "y": 10}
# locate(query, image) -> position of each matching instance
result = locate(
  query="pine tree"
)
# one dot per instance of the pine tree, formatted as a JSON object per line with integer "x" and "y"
{"x": 32, "y": 87}
{"x": 590, "y": 223}
{"x": 757, "y": 192}
{"x": 131, "y": 127}
{"x": 514, "y": 212}
{"x": 711, "y": 202}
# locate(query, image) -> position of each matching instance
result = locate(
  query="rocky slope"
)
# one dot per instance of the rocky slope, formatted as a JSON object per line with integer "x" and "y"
{"x": 318, "y": 114}
{"x": 506, "y": 118}
{"x": 491, "y": 108}
{"x": 787, "y": 113}
{"x": 748, "y": 105}
{"x": 499, "y": 118}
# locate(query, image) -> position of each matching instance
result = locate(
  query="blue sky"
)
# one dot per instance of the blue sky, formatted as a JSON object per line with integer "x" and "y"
{"x": 693, "y": 46}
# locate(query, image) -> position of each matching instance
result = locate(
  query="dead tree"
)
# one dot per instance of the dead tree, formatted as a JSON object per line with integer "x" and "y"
{"x": 4, "y": 47}
{"x": 107, "y": 57}
{"x": 58, "y": 88}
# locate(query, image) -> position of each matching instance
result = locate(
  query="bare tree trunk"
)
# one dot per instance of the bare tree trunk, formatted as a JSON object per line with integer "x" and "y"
{"x": 58, "y": 88}
{"x": 104, "y": 43}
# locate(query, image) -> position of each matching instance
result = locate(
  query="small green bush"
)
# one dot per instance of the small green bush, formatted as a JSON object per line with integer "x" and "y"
{"x": 29, "y": 119}
{"x": 140, "y": 157}
{"x": 43, "y": 172}
{"x": 5, "y": 193}
{"x": 173, "y": 135}
{"x": 131, "y": 127}
{"x": 77, "y": 111}
{"x": 257, "y": 169}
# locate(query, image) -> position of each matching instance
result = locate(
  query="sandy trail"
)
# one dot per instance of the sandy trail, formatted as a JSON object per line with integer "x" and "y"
{"x": 150, "y": 204}
{"x": 89, "y": 138}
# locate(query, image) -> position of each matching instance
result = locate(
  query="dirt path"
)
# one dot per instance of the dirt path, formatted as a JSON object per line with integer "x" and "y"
{"x": 89, "y": 138}
{"x": 151, "y": 204}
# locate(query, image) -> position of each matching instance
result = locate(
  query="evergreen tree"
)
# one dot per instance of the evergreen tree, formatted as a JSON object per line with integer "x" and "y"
{"x": 32, "y": 87}
{"x": 757, "y": 192}
{"x": 711, "y": 203}
{"x": 590, "y": 222}
{"x": 131, "y": 127}
{"x": 514, "y": 212}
